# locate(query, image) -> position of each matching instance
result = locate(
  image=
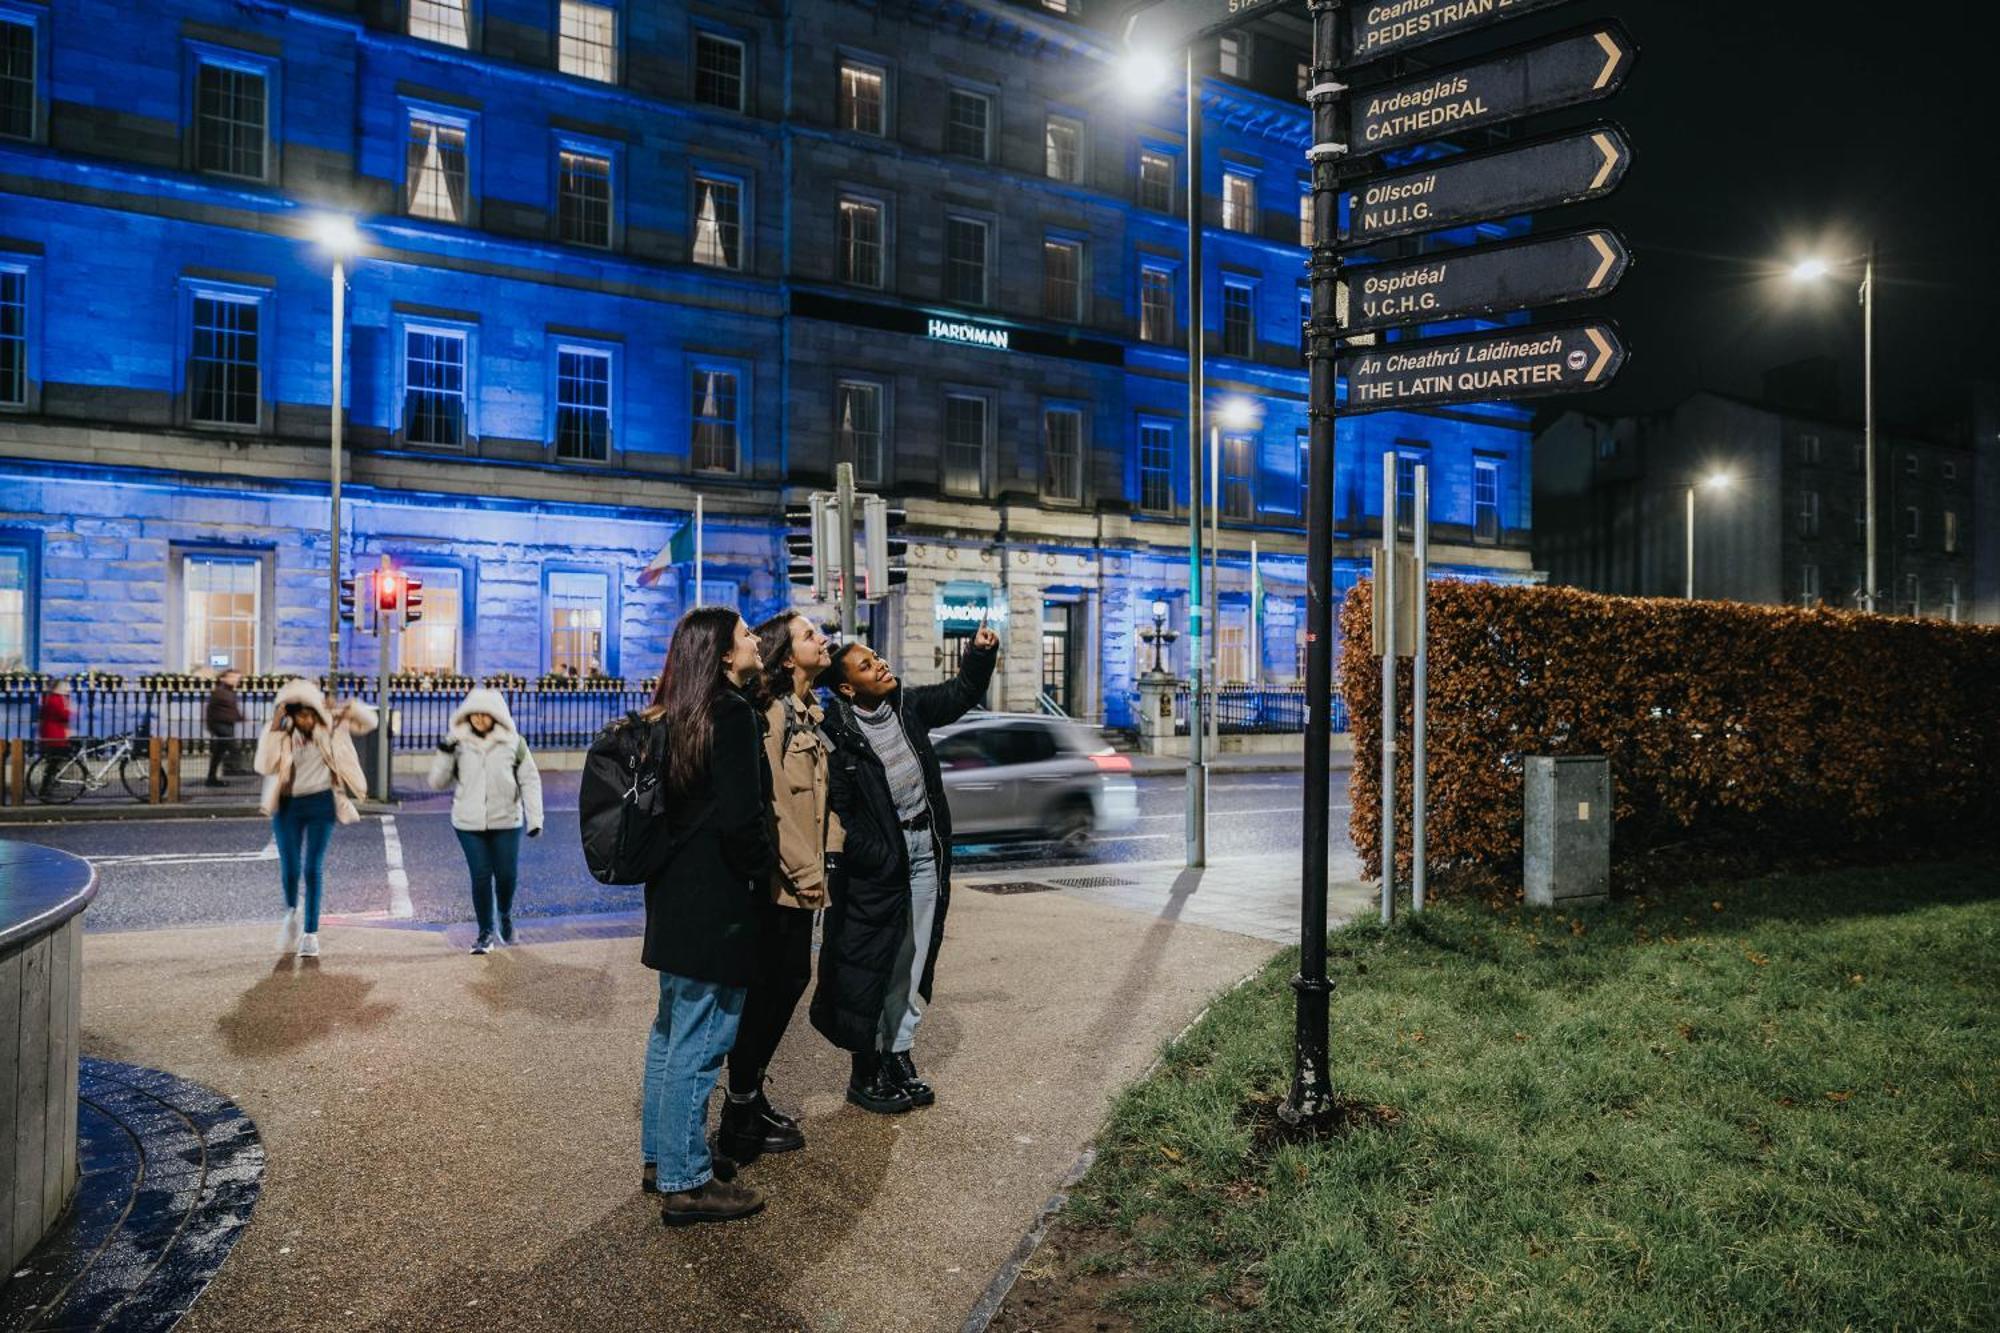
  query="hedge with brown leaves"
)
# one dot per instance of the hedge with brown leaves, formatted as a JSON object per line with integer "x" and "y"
{"x": 1756, "y": 728}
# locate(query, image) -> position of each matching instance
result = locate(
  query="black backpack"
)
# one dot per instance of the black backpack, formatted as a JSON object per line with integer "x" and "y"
{"x": 622, "y": 802}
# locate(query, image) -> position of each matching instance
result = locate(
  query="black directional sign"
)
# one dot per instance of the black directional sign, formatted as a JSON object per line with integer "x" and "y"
{"x": 1168, "y": 25}
{"x": 1504, "y": 363}
{"x": 1580, "y": 67}
{"x": 1462, "y": 190}
{"x": 1459, "y": 284}
{"x": 1388, "y": 26}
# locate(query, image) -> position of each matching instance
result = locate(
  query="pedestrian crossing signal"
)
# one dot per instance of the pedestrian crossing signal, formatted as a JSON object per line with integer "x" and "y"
{"x": 413, "y": 599}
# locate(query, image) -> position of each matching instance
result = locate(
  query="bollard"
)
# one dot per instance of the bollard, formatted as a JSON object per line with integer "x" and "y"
{"x": 153, "y": 774}
{"x": 174, "y": 769}
{"x": 16, "y": 760}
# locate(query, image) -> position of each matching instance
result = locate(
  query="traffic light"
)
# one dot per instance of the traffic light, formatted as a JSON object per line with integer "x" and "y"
{"x": 885, "y": 551}
{"x": 388, "y": 590}
{"x": 349, "y": 589}
{"x": 413, "y": 599}
{"x": 809, "y": 546}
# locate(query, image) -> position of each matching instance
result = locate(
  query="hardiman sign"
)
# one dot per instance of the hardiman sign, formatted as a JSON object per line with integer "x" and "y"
{"x": 975, "y": 335}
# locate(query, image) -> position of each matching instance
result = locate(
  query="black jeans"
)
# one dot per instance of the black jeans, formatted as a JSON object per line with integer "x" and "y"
{"x": 784, "y": 970}
{"x": 221, "y": 754}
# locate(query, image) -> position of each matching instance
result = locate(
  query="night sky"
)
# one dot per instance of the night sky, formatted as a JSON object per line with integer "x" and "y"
{"x": 1769, "y": 128}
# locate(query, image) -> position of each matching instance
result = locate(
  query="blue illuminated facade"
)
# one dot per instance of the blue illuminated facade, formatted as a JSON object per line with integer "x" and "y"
{"x": 617, "y": 255}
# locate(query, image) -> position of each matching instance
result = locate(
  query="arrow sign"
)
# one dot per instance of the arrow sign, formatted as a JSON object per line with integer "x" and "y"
{"x": 1383, "y": 29}
{"x": 1482, "y": 367}
{"x": 1491, "y": 280}
{"x": 1462, "y": 190}
{"x": 1169, "y": 25}
{"x": 1581, "y": 67}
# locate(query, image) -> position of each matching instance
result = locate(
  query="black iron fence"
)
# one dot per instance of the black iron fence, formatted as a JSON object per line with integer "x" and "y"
{"x": 561, "y": 718}
{"x": 1243, "y": 710}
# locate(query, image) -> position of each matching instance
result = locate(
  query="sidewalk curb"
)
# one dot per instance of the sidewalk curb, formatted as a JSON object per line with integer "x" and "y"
{"x": 1002, "y": 1285}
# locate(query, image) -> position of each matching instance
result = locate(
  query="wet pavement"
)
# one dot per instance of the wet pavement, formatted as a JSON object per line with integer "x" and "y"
{"x": 170, "y": 1174}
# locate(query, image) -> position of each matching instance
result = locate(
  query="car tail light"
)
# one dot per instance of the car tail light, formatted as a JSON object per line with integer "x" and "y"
{"x": 1112, "y": 762}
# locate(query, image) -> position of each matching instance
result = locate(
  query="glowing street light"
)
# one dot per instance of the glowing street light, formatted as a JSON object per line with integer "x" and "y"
{"x": 1813, "y": 269}
{"x": 1713, "y": 482}
{"x": 337, "y": 236}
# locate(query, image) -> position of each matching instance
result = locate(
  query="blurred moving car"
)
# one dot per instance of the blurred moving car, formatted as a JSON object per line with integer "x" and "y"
{"x": 1027, "y": 777}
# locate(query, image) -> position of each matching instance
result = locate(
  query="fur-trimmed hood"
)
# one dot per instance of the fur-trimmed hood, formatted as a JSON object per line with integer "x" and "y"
{"x": 484, "y": 701}
{"x": 358, "y": 717}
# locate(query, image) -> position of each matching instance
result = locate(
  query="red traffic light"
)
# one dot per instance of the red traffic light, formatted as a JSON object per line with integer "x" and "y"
{"x": 388, "y": 590}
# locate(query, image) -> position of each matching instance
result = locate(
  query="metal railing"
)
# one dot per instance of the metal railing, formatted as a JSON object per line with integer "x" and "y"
{"x": 548, "y": 719}
{"x": 1246, "y": 710}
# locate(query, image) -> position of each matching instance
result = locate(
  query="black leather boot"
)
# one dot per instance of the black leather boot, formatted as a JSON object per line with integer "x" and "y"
{"x": 904, "y": 1070}
{"x": 873, "y": 1087}
{"x": 751, "y": 1129}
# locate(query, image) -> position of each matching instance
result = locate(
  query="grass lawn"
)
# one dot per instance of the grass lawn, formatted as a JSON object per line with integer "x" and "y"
{"x": 1770, "y": 1105}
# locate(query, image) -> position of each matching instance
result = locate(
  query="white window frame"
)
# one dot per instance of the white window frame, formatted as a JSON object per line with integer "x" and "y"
{"x": 848, "y": 247}
{"x": 265, "y": 71}
{"x": 1064, "y": 486}
{"x": 569, "y": 590}
{"x": 17, "y": 609}
{"x": 1486, "y": 473}
{"x": 851, "y": 445}
{"x": 254, "y": 563}
{"x": 443, "y": 584}
{"x": 1053, "y": 305}
{"x": 1249, "y": 290}
{"x": 594, "y": 352}
{"x": 580, "y": 59}
{"x": 985, "y": 296}
{"x": 260, "y": 300}
{"x": 414, "y": 193}
{"x": 1164, "y": 471}
{"x": 460, "y": 333}
{"x": 985, "y": 153}
{"x": 704, "y": 36}
{"x": 733, "y": 423}
{"x": 848, "y": 110}
{"x": 1156, "y": 318}
{"x": 1079, "y": 164}
{"x": 1951, "y": 532}
{"x": 567, "y": 149}
{"x": 1172, "y": 181}
{"x": 1232, "y": 55}
{"x": 1809, "y": 515}
{"x": 1239, "y": 216}
{"x": 433, "y": 17}
{"x": 1809, "y": 589}
{"x": 951, "y": 481}
{"x": 717, "y": 245}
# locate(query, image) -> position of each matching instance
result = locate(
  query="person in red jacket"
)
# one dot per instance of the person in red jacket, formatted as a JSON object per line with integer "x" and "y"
{"x": 52, "y": 730}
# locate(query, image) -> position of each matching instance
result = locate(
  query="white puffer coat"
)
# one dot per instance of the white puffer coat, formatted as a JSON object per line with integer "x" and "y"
{"x": 498, "y": 785}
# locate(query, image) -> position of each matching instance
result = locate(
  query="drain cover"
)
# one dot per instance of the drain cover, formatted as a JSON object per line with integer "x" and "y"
{"x": 1015, "y": 886}
{"x": 1095, "y": 882}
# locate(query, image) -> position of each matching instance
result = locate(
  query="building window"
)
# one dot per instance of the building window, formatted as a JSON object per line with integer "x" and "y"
{"x": 1237, "y": 497}
{"x": 1809, "y": 514}
{"x": 861, "y": 242}
{"x": 718, "y": 71}
{"x": 447, "y": 21}
{"x": 1951, "y": 532}
{"x": 583, "y": 190}
{"x": 1063, "y": 139}
{"x": 1239, "y": 202}
{"x": 434, "y": 387}
{"x": 1156, "y": 182}
{"x": 1911, "y": 467}
{"x": 1232, "y": 645}
{"x": 861, "y": 92}
{"x": 1809, "y": 584}
{"x": 13, "y": 337}
{"x": 1156, "y": 467}
{"x": 587, "y": 41}
{"x": 718, "y": 222}
{"x": 858, "y": 418}
{"x": 1809, "y": 450}
{"x": 1236, "y": 320}
{"x": 1485, "y": 501}
{"x": 1306, "y": 216}
{"x": 965, "y": 443}
{"x": 1062, "y": 453}
{"x": 583, "y": 404}
{"x": 968, "y": 124}
{"x": 1073, "y": 8}
{"x": 13, "y": 608}
{"x": 714, "y": 443}
{"x": 430, "y": 647}
{"x": 965, "y": 260}
{"x": 1303, "y": 82}
{"x": 437, "y": 170}
{"x": 576, "y": 605}
{"x": 17, "y": 78}
{"x": 1156, "y": 305}
{"x": 231, "y": 121}
{"x": 1913, "y": 594}
{"x": 221, "y": 598}
{"x": 1062, "y": 280}
{"x": 1912, "y": 523}
{"x": 1948, "y": 470}
{"x": 1305, "y": 323}
{"x": 224, "y": 367}
{"x": 1232, "y": 59}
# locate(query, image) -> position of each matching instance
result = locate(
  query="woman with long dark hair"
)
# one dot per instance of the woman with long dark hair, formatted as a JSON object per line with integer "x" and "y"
{"x": 701, "y": 914}
{"x": 809, "y": 838}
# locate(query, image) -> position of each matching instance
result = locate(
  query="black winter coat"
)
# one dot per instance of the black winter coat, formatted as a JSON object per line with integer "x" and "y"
{"x": 701, "y": 919}
{"x": 224, "y": 710}
{"x": 868, "y": 912}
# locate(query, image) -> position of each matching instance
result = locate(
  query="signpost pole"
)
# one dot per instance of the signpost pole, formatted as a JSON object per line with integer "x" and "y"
{"x": 1868, "y": 413}
{"x": 384, "y": 643}
{"x": 333, "y": 509}
{"x": 1311, "y": 1098}
{"x": 844, "y": 500}
{"x": 1385, "y": 601}
{"x": 697, "y": 550}
{"x": 1212, "y": 621}
{"x": 1420, "y": 688}
{"x": 1197, "y": 771}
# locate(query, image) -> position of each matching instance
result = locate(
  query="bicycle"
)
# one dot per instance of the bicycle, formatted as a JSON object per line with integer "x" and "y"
{"x": 60, "y": 776}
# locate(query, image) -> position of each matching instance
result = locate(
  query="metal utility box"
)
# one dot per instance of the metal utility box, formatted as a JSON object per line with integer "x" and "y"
{"x": 1566, "y": 835}
{"x": 367, "y": 748}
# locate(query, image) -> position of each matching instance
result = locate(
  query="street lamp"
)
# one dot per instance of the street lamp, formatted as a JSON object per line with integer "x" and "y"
{"x": 1714, "y": 481}
{"x": 1812, "y": 270}
{"x": 1159, "y": 636}
{"x": 336, "y": 235}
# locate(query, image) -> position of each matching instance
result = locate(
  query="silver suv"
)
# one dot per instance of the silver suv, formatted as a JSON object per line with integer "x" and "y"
{"x": 1024, "y": 776}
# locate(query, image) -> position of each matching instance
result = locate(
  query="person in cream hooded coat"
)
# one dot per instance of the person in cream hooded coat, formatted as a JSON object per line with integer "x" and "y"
{"x": 312, "y": 778}
{"x": 497, "y": 794}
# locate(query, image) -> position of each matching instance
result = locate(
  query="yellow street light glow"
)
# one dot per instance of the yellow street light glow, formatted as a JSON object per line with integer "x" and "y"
{"x": 1144, "y": 75}
{"x": 1718, "y": 481}
{"x": 1237, "y": 413}
{"x": 335, "y": 233}
{"x": 1810, "y": 270}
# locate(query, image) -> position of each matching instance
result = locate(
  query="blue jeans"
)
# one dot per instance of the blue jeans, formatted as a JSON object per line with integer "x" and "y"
{"x": 903, "y": 1004}
{"x": 494, "y": 857}
{"x": 301, "y": 828}
{"x": 693, "y": 1031}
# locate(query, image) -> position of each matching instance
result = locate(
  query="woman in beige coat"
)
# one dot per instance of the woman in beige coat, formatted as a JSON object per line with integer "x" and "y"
{"x": 312, "y": 778}
{"x": 794, "y": 653}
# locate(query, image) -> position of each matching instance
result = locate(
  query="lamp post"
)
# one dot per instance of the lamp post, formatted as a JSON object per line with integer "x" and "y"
{"x": 1811, "y": 270}
{"x": 1714, "y": 481}
{"x": 1159, "y": 637}
{"x": 338, "y": 238}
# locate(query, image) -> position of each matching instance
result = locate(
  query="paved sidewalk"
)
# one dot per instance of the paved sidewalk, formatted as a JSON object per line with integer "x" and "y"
{"x": 453, "y": 1140}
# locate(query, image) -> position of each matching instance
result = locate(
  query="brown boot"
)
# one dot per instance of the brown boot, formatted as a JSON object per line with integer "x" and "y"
{"x": 712, "y": 1201}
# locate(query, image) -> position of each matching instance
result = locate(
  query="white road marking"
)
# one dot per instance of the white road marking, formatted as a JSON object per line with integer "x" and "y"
{"x": 270, "y": 853}
{"x": 399, "y": 883}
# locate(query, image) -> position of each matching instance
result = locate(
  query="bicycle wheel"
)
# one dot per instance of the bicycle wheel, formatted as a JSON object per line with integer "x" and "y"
{"x": 132, "y": 772}
{"x": 57, "y": 779}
